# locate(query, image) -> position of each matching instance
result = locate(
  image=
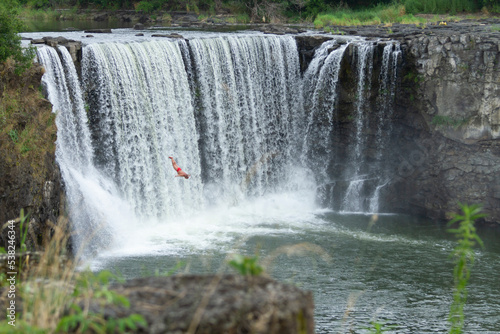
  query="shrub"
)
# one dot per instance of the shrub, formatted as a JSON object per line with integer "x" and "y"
{"x": 10, "y": 41}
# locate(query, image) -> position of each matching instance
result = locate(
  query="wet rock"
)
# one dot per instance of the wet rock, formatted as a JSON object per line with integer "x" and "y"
{"x": 307, "y": 45}
{"x": 172, "y": 35}
{"x": 139, "y": 26}
{"x": 98, "y": 31}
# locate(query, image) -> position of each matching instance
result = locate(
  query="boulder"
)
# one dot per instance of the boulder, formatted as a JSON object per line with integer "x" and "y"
{"x": 139, "y": 26}
{"x": 214, "y": 304}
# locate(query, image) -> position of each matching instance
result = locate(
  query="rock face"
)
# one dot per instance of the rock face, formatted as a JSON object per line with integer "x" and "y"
{"x": 451, "y": 103}
{"x": 74, "y": 47}
{"x": 445, "y": 129}
{"x": 29, "y": 176}
{"x": 215, "y": 304}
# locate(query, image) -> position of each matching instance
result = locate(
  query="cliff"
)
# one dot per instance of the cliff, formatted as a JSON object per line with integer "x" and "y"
{"x": 444, "y": 145}
{"x": 450, "y": 102}
{"x": 29, "y": 176}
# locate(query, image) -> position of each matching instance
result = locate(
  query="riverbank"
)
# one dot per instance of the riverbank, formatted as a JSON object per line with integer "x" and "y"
{"x": 189, "y": 19}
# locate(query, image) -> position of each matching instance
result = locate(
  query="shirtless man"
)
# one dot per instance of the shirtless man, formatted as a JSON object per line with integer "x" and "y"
{"x": 180, "y": 172}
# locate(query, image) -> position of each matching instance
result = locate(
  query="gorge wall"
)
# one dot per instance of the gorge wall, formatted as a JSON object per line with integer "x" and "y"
{"x": 444, "y": 134}
{"x": 448, "y": 116}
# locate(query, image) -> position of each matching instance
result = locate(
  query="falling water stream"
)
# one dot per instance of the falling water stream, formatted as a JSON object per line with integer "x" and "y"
{"x": 257, "y": 137}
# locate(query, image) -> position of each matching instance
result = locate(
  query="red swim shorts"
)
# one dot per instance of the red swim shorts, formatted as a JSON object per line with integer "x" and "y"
{"x": 178, "y": 169}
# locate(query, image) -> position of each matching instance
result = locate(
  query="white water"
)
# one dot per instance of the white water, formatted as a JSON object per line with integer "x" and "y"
{"x": 230, "y": 109}
{"x": 320, "y": 91}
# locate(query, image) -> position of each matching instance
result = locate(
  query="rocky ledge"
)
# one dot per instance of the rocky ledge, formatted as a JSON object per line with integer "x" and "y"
{"x": 214, "y": 304}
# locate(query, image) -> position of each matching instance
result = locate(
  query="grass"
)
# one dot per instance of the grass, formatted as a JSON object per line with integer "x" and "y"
{"x": 381, "y": 14}
{"x": 27, "y": 124}
{"x": 408, "y": 12}
{"x": 53, "y": 297}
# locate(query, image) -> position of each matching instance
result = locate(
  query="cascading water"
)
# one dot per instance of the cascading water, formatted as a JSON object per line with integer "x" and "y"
{"x": 388, "y": 79}
{"x": 234, "y": 111}
{"x": 92, "y": 200}
{"x": 354, "y": 199}
{"x": 142, "y": 113}
{"x": 348, "y": 181}
{"x": 249, "y": 108}
{"x": 320, "y": 83}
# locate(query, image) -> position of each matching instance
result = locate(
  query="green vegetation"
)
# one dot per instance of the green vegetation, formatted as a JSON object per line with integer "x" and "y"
{"x": 322, "y": 13}
{"x": 381, "y": 14}
{"x": 439, "y": 120}
{"x": 10, "y": 41}
{"x": 246, "y": 265}
{"x": 463, "y": 255}
{"x": 53, "y": 297}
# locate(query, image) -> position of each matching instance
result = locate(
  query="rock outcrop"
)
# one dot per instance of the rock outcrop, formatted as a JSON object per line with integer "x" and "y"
{"x": 451, "y": 102}
{"x": 215, "y": 304}
{"x": 29, "y": 176}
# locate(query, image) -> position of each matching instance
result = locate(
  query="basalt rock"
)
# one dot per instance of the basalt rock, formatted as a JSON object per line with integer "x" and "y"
{"x": 98, "y": 31}
{"x": 449, "y": 106}
{"x": 445, "y": 138}
{"x": 74, "y": 47}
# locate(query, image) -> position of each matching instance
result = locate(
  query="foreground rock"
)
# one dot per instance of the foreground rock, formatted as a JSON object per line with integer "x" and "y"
{"x": 215, "y": 305}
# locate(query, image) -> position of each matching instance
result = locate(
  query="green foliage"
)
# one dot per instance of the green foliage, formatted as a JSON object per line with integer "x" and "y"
{"x": 463, "y": 255}
{"x": 23, "y": 228}
{"x": 10, "y": 41}
{"x": 146, "y": 6}
{"x": 246, "y": 265}
{"x": 413, "y": 77}
{"x": 440, "y": 6}
{"x": 82, "y": 322}
{"x": 378, "y": 328}
{"x": 369, "y": 16}
{"x": 439, "y": 120}
{"x": 13, "y": 135}
{"x": 90, "y": 286}
{"x": 21, "y": 327}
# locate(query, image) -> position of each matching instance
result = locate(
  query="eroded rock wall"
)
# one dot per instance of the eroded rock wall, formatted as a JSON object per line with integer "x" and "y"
{"x": 445, "y": 130}
{"x": 448, "y": 114}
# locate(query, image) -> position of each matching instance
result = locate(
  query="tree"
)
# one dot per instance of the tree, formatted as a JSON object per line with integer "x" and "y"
{"x": 10, "y": 41}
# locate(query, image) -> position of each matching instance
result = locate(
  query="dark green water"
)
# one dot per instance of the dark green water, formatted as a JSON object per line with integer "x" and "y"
{"x": 55, "y": 26}
{"x": 397, "y": 272}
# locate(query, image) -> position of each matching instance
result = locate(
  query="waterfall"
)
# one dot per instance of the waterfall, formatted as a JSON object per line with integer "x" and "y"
{"x": 249, "y": 104}
{"x": 320, "y": 91}
{"x": 233, "y": 110}
{"x": 367, "y": 178}
{"x": 142, "y": 113}
{"x": 93, "y": 203}
{"x": 387, "y": 92}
